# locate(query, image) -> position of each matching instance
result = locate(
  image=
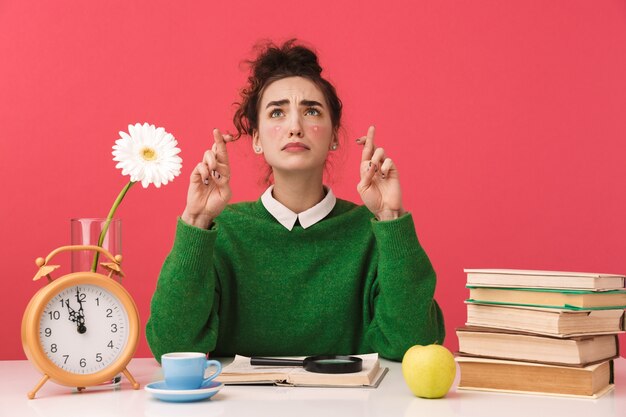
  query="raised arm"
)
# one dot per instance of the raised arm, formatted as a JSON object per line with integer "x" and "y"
{"x": 183, "y": 311}
{"x": 404, "y": 310}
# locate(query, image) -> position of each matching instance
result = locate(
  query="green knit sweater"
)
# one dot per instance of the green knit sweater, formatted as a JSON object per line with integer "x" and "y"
{"x": 349, "y": 284}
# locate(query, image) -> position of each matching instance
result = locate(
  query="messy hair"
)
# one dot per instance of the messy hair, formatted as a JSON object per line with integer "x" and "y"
{"x": 272, "y": 64}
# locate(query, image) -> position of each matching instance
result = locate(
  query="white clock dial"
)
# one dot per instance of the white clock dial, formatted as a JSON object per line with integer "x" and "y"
{"x": 83, "y": 329}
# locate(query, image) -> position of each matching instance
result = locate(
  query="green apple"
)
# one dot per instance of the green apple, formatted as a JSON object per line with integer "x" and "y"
{"x": 429, "y": 371}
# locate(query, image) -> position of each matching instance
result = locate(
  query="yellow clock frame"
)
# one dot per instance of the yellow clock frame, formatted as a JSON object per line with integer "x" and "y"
{"x": 30, "y": 322}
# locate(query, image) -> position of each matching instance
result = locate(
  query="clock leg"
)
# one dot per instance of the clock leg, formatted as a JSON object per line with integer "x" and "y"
{"x": 131, "y": 379}
{"x": 31, "y": 394}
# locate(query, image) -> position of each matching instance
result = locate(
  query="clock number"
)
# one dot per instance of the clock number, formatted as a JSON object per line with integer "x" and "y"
{"x": 54, "y": 315}
{"x": 81, "y": 297}
{"x": 53, "y": 348}
{"x": 98, "y": 357}
{"x": 47, "y": 331}
{"x": 109, "y": 312}
{"x": 66, "y": 358}
{"x": 110, "y": 344}
{"x": 114, "y": 328}
{"x": 65, "y": 302}
{"x": 83, "y": 362}
{"x": 98, "y": 302}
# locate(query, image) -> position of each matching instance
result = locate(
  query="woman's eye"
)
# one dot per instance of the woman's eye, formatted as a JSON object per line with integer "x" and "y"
{"x": 276, "y": 113}
{"x": 312, "y": 112}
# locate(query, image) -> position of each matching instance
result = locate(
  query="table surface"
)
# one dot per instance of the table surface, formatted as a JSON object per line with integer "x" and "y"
{"x": 391, "y": 398}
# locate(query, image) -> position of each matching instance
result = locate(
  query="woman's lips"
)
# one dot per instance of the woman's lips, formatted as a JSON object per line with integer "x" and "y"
{"x": 295, "y": 147}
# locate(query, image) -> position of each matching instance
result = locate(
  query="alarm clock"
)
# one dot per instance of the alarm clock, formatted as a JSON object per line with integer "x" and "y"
{"x": 80, "y": 329}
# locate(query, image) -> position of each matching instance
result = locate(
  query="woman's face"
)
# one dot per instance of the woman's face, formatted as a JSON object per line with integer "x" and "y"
{"x": 295, "y": 132}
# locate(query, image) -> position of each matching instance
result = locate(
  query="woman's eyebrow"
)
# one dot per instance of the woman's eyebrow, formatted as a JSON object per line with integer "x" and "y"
{"x": 310, "y": 103}
{"x": 277, "y": 103}
{"x": 303, "y": 103}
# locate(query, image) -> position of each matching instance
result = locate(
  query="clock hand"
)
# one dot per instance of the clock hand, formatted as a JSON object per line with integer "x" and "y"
{"x": 72, "y": 312}
{"x": 77, "y": 317}
{"x": 80, "y": 323}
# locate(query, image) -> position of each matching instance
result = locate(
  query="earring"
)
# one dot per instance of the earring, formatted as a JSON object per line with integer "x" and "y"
{"x": 333, "y": 146}
{"x": 257, "y": 149}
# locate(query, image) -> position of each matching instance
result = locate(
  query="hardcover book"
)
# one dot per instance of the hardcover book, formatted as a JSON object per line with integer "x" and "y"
{"x": 503, "y": 344}
{"x": 544, "y": 279}
{"x": 484, "y": 374}
{"x": 547, "y": 321}
{"x": 564, "y": 299}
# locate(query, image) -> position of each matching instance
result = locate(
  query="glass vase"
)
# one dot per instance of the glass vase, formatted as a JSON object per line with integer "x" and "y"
{"x": 87, "y": 231}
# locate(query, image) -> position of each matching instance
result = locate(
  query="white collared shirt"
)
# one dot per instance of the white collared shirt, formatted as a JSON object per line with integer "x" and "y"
{"x": 307, "y": 218}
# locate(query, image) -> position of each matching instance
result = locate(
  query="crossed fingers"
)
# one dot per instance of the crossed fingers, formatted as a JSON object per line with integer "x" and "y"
{"x": 215, "y": 165}
{"x": 373, "y": 160}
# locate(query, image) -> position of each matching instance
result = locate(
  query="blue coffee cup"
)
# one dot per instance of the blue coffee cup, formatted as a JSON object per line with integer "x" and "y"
{"x": 185, "y": 370}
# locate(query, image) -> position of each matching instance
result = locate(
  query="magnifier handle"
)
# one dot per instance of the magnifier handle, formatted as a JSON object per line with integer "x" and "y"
{"x": 275, "y": 361}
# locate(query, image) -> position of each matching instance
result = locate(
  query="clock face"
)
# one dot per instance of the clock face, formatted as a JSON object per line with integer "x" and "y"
{"x": 83, "y": 329}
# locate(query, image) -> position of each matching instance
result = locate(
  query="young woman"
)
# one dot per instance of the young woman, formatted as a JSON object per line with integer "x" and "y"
{"x": 297, "y": 272}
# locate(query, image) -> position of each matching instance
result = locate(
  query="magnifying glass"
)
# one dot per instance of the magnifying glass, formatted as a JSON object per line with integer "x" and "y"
{"x": 324, "y": 364}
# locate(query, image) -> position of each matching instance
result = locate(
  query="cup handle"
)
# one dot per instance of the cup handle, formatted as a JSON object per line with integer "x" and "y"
{"x": 217, "y": 371}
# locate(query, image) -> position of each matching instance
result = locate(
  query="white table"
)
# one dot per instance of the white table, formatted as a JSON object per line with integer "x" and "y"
{"x": 392, "y": 398}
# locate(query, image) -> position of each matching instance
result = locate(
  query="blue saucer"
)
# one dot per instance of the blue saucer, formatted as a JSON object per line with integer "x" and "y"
{"x": 160, "y": 391}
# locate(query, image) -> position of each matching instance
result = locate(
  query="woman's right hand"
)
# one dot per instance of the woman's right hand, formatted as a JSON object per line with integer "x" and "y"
{"x": 209, "y": 191}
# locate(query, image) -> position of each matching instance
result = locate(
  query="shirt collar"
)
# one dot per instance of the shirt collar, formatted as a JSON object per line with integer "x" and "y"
{"x": 307, "y": 218}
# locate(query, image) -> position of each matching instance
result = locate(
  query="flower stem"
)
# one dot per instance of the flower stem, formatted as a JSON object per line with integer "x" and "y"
{"x": 105, "y": 228}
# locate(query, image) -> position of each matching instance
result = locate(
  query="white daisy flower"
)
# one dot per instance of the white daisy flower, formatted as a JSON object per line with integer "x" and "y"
{"x": 149, "y": 154}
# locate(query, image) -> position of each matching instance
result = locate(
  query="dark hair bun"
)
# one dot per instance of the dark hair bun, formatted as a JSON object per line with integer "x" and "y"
{"x": 288, "y": 59}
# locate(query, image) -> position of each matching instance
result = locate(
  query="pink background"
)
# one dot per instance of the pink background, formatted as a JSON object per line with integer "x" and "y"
{"x": 506, "y": 120}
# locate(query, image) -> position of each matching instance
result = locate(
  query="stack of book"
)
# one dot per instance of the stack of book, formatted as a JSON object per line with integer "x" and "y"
{"x": 541, "y": 332}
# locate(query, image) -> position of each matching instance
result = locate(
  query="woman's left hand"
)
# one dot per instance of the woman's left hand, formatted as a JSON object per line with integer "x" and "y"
{"x": 380, "y": 185}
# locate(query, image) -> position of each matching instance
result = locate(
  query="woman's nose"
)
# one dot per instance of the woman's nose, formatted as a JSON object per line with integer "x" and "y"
{"x": 295, "y": 127}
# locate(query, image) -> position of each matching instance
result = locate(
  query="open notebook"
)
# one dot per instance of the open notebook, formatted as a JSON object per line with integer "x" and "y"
{"x": 241, "y": 372}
